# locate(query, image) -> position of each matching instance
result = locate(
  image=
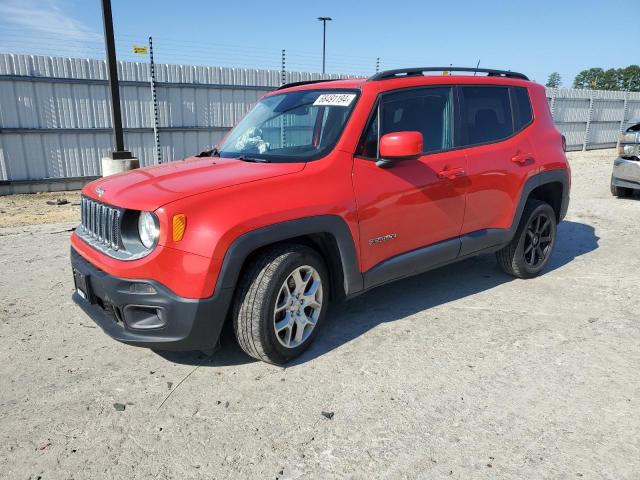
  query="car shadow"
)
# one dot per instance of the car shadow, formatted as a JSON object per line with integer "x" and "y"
{"x": 227, "y": 353}
{"x": 348, "y": 320}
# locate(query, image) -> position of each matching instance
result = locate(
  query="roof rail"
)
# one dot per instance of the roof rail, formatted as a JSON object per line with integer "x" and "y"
{"x": 407, "y": 72}
{"x": 306, "y": 82}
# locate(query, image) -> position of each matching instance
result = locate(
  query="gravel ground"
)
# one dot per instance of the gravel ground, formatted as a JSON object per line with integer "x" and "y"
{"x": 461, "y": 373}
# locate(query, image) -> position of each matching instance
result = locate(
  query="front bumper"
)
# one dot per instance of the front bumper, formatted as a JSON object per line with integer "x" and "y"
{"x": 146, "y": 313}
{"x": 626, "y": 173}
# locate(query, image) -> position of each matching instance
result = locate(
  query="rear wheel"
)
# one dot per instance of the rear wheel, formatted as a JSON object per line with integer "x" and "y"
{"x": 620, "y": 192}
{"x": 282, "y": 299}
{"x": 531, "y": 247}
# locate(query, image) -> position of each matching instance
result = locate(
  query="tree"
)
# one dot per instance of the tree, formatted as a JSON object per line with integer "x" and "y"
{"x": 588, "y": 78}
{"x": 621, "y": 79}
{"x": 610, "y": 80}
{"x": 554, "y": 81}
{"x": 630, "y": 78}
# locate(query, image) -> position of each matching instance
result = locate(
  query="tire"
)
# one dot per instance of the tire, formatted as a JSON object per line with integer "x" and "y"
{"x": 620, "y": 192}
{"x": 270, "y": 281}
{"x": 531, "y": 247}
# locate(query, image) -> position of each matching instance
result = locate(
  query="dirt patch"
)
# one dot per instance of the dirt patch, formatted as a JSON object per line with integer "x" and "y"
{"x": 39, "y": 208}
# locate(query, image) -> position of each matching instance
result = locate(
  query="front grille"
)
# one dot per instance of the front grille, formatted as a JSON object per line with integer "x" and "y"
{"x": 101, "y": 222}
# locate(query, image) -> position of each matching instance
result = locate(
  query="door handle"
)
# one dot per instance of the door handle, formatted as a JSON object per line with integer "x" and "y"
{"x": 522, "y": 158}
{"x": 451, "y": 173}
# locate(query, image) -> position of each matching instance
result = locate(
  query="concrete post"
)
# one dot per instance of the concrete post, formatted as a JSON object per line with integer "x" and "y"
{"x": 552, "y": 104}
{"x": 625, "y": 110}
{"x": 111, "y": 166}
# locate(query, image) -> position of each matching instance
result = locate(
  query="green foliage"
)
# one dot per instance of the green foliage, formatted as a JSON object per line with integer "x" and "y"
{"x": 623, "y": 79}
{"x": 554, "y": 81}
{"x": 631, "y": 78}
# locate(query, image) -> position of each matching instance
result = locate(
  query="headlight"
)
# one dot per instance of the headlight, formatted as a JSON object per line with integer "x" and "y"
{"x": 629, "y": 149}
{"x": 148, "y": 229}
{"x": 628, "y": 137}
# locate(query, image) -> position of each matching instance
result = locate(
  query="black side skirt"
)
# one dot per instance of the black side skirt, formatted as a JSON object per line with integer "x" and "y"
{"x": 437, "y": 255}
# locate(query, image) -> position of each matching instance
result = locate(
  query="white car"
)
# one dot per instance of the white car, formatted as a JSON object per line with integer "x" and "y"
{"x": 626, "y": 168}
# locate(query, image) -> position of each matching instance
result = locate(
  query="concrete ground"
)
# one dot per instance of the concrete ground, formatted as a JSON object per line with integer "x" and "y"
{"x": 461, "y": 373}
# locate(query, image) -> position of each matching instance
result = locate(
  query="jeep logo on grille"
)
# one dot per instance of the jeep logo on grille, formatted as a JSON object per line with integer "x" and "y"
{"x": 99, "y": 191}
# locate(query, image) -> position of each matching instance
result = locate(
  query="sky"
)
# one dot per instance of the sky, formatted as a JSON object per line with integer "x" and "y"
{"x": 533, "y": 37}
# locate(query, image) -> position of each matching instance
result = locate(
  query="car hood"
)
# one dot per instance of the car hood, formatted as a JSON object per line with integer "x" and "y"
{"x": 150, "y": 188}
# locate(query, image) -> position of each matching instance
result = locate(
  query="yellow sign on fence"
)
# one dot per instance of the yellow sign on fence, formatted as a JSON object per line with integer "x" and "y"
{"x": 137, "y": 49}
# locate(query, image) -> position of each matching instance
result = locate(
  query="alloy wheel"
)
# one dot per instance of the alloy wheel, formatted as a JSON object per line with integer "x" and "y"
{"x": 538, "y": 240}
{"x": 298, "y": 306}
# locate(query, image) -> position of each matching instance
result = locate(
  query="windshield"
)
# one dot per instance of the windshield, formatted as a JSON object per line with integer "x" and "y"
{"x": 290, "y": 127}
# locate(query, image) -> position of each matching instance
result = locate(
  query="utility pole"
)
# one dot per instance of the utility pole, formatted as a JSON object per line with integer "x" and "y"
{"x": 120, "y": 159}
{"x": 377, "y": 64}
{"x": 324, "y": 21}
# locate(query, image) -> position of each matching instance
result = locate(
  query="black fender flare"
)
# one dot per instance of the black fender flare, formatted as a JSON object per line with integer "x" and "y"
{"x": 550, "y": 176}
{"x": 249, "y": 242}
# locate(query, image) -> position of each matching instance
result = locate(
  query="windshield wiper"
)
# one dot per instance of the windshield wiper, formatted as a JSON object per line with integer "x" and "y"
{"x": 245, "y": 158}
{"x": 214, "y": 152}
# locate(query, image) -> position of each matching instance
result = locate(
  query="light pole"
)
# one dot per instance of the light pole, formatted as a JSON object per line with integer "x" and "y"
{"x": 324, "y": 21}
{"x": 120, "y": 159}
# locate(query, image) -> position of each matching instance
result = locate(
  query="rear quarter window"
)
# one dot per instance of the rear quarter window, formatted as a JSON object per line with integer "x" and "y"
{"x": 522, "y": 113}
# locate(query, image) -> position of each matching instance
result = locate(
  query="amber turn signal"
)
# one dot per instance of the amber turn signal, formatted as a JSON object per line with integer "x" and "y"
{"x": 179, "y": 226}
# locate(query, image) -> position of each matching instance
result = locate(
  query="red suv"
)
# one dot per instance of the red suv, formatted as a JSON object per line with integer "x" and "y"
{"x": 324, "y": 190}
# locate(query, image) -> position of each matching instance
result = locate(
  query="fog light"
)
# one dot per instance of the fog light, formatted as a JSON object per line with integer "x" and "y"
{"x": 179, "y": 226}
{"x": 143, "y": 317}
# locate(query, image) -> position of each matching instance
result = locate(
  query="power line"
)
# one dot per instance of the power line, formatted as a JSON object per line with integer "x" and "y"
{"x": 198, "y": 49}
{"x": 181, "y": 51}
{"x": 176, "y": 45}
{"x": 168, "y": 40}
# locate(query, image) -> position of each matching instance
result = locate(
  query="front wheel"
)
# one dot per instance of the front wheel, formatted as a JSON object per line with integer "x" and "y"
{"x": 282, "y": 300}
{"x": 531, "y": 247}
{"x": 620, "y": 192}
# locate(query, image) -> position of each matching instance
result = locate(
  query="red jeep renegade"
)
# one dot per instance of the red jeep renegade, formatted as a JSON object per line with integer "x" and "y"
{"x": 324, "y": 190}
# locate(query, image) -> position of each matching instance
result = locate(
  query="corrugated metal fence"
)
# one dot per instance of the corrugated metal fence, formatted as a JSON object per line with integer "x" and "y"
{"x": 55, "y": 117}
{"x": 591, "y": 119}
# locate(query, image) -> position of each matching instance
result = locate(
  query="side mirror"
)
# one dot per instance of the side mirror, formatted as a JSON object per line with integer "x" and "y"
{"x": 399, "y": 146}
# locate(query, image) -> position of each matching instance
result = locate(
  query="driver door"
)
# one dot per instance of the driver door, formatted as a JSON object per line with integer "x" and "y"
{"x": 411, "y": 211}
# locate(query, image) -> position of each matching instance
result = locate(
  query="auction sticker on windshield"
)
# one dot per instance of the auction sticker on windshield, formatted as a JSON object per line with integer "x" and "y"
{"x": 334, "y": 100}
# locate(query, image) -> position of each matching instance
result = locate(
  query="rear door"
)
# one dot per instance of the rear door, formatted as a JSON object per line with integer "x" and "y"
{"x": 413, "y": 203}
{"x": 493, "y": 132}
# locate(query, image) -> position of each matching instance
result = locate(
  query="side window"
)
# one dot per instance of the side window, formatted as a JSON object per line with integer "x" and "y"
{"x": 427, "y": 110}
{"x": 522, "y": 114}
{"x": 486, "y": 114}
